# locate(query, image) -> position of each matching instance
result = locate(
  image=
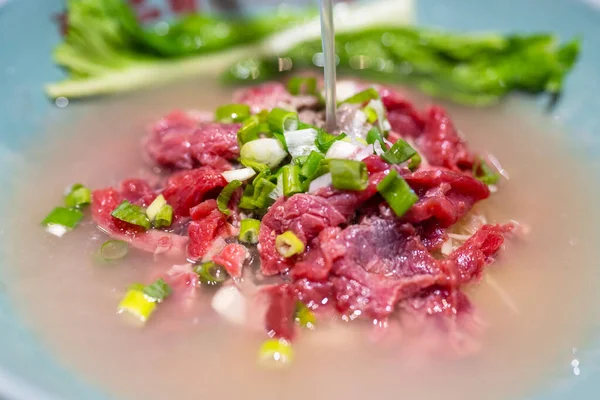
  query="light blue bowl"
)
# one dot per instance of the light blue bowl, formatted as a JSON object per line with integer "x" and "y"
{"x": 27, "y": 35}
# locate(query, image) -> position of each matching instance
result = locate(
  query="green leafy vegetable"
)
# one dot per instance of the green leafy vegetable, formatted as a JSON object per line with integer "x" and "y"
{"x": 475, "y": 69}
{"x": 399, "y": 152}
{"x": 106, "y": 50}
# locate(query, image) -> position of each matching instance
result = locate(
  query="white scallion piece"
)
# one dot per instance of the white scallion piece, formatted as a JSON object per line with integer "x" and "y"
{"x": 302, "y": 142}
{"x": 320, "y": 182}
{"x": 265, "y": 151}
{"x": 155, "y": 206}
{"x": 230, "y": 304}
{"x": 238, "y": 174}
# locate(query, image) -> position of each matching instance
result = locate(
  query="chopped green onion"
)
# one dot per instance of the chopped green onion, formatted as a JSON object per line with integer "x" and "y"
{"x": 232, "y": 113}
{"x": 302, "y": 85}
{"x": 266, "y": 151}
{"x": 377, "y": 106}
{"x": 225, "y": 196}
{"x": 362, "y": 97}
{"x": 137, "y": 303}
{"x": 415, "y": 161}
{"x": 281, "y": 120}
{"x": 78, "y": 197}
{"x": 246, "y": 200}
{"x": 397, "y": 193}
{"x": 484, "y": 173}
{"x": 132, "y": 214}
{"x": 210, "y": 273}
{"x": 155, "y": 206}
{"x": 242, "y": 174}
{"x": 281, "y": 139}
{"x": 249, "y": 130}
{"x": 278, "y": 191}
{"x": 375, "y": 135}
{"x": 399, "y": 152}
{"x": 291, "y": 180}
{"x": 288, "y": 244}
{"x": 275, "y": 353}
{"x": 299, "y": 161}
{"x": 258, "y": 167}
{"x": 164, "y": 218}
{"x": 249, "y": 229}
{"x": 114, "y": 250}
{"x": 311, "y": 165}
{"x": 66, "y": 217}
{"x": 262, "y": 190}
{"x": 158, "y": 290}
{"x": 349, "y": 174}
{"x": 325, "y": 140}
{"x": 304, "y": 316}
{"x": 371, "y": 114}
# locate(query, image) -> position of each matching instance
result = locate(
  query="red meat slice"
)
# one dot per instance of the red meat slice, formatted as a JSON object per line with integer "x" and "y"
{"x": 444, "y": 196}
{"x": 104, "y": 202}
{"x": 186, "y": 189}
{"x": 303, "y": 214}
{"x": 271, "y": 95}
{"x": 232, "y": 258}
{"x": 182, "y": 140}
{"x": 440, "y": 143}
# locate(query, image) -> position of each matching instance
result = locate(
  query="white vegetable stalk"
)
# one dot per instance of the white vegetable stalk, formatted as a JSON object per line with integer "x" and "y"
{"x": 384, "y": 124}
{"x": 320, "y": 182}
{"x": 230, "y": 304}
{"x": 302, "y": 142}
{"x": 265, "y": 151}
{"x": 238, "y": 174}
{"x": 158, "y": 203}
{"x": 348, "y": 151}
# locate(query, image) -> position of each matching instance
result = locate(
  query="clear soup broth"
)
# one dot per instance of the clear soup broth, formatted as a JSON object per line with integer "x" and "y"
{"x": 533, "y": 303}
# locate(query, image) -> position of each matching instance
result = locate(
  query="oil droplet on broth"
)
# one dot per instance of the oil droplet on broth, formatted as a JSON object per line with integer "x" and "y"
{"x": 202, "y": 354}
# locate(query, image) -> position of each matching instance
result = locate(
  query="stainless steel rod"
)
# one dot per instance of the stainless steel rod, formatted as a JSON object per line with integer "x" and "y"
{"x": 328, "y": 39}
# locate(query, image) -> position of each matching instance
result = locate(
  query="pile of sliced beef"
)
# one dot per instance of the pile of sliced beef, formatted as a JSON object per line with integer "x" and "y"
{"x": 360, "y": 259}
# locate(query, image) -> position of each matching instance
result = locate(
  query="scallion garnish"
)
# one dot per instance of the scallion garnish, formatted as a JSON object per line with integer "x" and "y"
{"x": 275, "y": 353}
{"x": 158, "y": 290}
{"x": 132, "y": 214}
{"x": 371, "y": 114}
{"x": 311, "y": 165}
{"x": 304, "y": 316}
{"x": 262, "y": 190}
{"x": 78, "y": 197}
{"x": 113, "y": 250}
{"x": 258, "y": 167}
{"x": 249, "y": 229}
{"x": 302, "y": 85}
{"x": 232, "y": 113}
{"x": 65, "y": 217}
{"x": 325, "y": 140}
{"x": 266, "y": 151}
{"x": 225, "y": 196}
{"x": 374, "y": 135}
{"x": 210, "y": 273}
{"x": 362, "y": 97}
{"x": 400, "y": 152}
{"x": 249, "y": 130}
{"x": 281, "y": 120}
{"x": 415, "y": 161}
{"x": 154, "y": 207}
{"x": 136, "y": 303}
{"x": 242, "y": 174}
{"x": 301, "y": 142}
{"x": 348, "y": 174}
{"x": 288, "y": 244}
{"x": 397, "y": 193}
{"x": 246, "y": 202}
{"x": 164, "y": 218}
{"x": 291, "y": 180}
{"x": 484, "y": 173}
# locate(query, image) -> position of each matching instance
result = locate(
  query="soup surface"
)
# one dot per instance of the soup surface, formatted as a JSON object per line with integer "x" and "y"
{"x": 532, "y": 303}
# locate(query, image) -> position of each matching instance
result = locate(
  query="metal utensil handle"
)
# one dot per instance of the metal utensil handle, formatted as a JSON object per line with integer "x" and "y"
{"x": 328, "y": 39}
